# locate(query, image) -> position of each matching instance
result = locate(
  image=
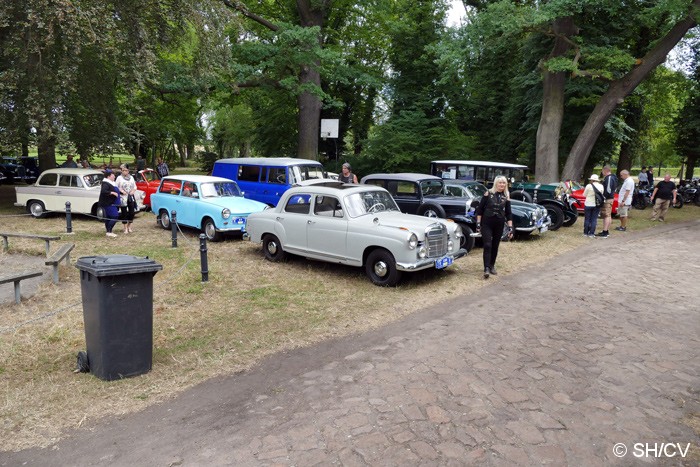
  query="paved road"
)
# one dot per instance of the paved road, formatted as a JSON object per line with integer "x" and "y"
{"x": 512, "y": 374}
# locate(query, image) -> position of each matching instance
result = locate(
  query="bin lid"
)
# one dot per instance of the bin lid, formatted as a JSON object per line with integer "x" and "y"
{"x": 116, "y": 265}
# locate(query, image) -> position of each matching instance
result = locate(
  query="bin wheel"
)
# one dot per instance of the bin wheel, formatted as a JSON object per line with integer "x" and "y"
{"x": 83, "y": 364}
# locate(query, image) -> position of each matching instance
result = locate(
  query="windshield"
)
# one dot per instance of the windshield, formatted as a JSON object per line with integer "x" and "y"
{"x": 219, "y": 189}
{"x": 431, "y": 187}
{"x": 477, "y": 189}
{"x": 369, "y": 202}
{"x": 307, "y": 172}
{"x": 93, "y": 180}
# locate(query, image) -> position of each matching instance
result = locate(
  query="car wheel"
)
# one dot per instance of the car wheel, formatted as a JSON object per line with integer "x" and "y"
{"x": 164, "y": 219}
{"x": 467, "y": 241}
{"x": 209, "y": 230}
{"x": 679, "y": 202}
{"x": 521, "y": 195}
{"x": 36, "y": 209}
{"x": 381, "y": 268}
{"x": 570, "y": 218}
{"x": 556, "y": 215}
{"x": 432, "y": 210}
{"x": 272, "y": 247}
{"x": 100, "y": 213}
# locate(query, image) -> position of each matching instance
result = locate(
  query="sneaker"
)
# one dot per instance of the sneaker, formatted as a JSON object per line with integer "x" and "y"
{"x": 603, "y": 234}
{"x": 662, "y": 220}
{"x": 621, "y": 229}
{"x": 591, "y": 236}
{"x": 111, "y": 234}
{"x": 486, "y": 273}
{"x": 493, "y": 271}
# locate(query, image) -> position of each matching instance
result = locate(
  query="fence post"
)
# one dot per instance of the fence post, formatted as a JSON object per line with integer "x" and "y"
{"x": 69, "y": 220}
{"x": 203, "y": 257}
{"x": 173, "y": 226}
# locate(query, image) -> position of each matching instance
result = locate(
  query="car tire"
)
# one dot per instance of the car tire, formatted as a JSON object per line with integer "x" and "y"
{"x": 556, "y": 215}
{"x": 209, "y": 230}
{"x": 381, "y": 268}
{"x": 432, "y": 210}
{"x": 164, "y": 219}
{"x": 100, "y": 213}
{"x": 467, "y": 241}
{"x": 521, "y": 195}
{"x": 36, "y": 209}
{"x": 272, "y": 248}
{"x": 570, "y": 219}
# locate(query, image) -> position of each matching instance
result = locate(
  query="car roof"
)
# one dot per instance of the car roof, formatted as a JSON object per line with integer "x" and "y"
{"x": 481, "y": 163}
{"x": 279, "y": 161}
{"x": 197, "y": 178}
{"x": 413, "y": 177}
{"x": 331, "y": 187}
{"x": 68, "y": 171}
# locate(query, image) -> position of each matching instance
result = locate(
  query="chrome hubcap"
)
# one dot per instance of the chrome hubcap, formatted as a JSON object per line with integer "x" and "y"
{"x": 36, "y": 209}
{"x": 209, "y": 230}
{"x": 430, "y": 213}
{"x": 380, "y": 268}
{"x": 272, "y": 247}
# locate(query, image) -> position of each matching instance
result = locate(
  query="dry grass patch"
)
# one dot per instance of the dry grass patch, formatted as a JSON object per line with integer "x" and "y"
{"x": 250, "y": 308}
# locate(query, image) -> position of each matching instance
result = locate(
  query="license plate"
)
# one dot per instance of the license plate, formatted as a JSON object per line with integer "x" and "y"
{"x": 443, "y": 262}
{"x": 544, "y": 229}
{"x": 539, "y": 222}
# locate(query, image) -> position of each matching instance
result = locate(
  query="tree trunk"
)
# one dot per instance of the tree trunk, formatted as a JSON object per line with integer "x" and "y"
{"x": 616, "y": 93}
{"x": 183, "y": 156}
{"x": 547, "y": 153}
{"x": 690, "y": 167}
{"x": 46, "y": 150}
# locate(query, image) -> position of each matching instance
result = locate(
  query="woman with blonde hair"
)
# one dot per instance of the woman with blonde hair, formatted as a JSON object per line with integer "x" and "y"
{"x": 492, "y": 215}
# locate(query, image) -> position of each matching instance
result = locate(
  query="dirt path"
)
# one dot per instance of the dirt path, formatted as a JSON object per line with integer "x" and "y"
{"x": 545, "y": 366}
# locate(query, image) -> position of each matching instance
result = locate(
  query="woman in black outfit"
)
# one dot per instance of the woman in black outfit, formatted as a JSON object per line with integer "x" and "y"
{"x": 492, "y": 214}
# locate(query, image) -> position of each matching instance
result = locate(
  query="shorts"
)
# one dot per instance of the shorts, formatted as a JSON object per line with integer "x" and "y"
{"x": 606, "y": 209}
{"x": 623, "y": 211}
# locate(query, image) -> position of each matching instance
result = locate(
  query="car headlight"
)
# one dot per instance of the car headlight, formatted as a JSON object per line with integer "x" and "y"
{"x": 450, "y": 245}
{"x": 226, "y": 213}
{"x": 458, "y": 232}
{"x": 422, "y": 251}
{"x": 534, "y": 215}
{"x": 412, "y": 241}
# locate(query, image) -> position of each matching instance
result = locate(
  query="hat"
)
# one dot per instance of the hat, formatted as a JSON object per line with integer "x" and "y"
{"x": 347, "y": 164}
{"x": 594, "y": 178}
{"x": 108, "y": 172}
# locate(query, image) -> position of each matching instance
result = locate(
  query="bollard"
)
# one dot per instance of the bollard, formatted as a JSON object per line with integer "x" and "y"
{"x": 173, "y": 226}
{"x": 203, "y": 257}
{"x": 69, "y": 220}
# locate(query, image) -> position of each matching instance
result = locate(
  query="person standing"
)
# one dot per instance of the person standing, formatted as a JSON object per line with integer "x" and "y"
{"x": 642, "y": 178}
{"x": 650, "y": 176}
{"x": 109, "y": 200}
{"x": 140, "y": 163}
{"x": 70, "y": 163}
{"x": 624, "y": 199}
{"x": 664, "y": 192}
{"x": 609, "y": 188}
{"x": 346, "y": 175}
{"x": 590, "y": 209}
{"x": 492, "y": 215}
{"x": 127, "y": 187}
{"x": 162, "y": 168}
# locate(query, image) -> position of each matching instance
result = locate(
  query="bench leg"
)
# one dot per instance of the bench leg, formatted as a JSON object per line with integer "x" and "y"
{"x": 18, "y": 297}
{"x": 5, "y": 243}
{"x": 47, "y": 247}
{"x": 55, "y": 273}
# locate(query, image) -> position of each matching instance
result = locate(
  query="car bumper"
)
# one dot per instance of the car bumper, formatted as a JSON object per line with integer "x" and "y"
{"x": 427, "y": 262}
{"x": 541, "y": 228}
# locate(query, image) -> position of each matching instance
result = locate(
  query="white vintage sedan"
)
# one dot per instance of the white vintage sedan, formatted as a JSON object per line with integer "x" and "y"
{"x": 357, "y": 225}
{"x": 56, "y": 186}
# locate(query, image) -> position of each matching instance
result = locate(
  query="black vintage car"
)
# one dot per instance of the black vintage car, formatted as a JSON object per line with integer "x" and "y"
{"x": 427, "y": 195}
{"x": 16, "y": 170}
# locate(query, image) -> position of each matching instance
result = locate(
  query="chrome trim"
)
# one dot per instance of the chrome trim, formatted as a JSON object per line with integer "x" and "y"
{"x": 427, "y": 262}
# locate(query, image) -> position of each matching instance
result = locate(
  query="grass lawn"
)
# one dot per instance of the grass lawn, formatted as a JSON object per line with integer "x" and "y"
{"x": 250, "y": 308}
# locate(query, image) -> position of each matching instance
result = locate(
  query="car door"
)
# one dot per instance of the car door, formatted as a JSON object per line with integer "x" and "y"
{"x": 407, "y": 196}
{"x": 293, "y": 221}
{"x": 70, "y": 188}
{"x": 186, "y": 205}
{"x": 327, "y": 228}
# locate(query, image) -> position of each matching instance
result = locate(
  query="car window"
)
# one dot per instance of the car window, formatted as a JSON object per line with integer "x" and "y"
{"x": 189, "y": 190}
{"x": 170, "y": 187}
{"x": 277, "y": 175}
{"x": 406, "y": 190}
{"x": 219, "y": 189}
{"x": 249, "y": 173}
{"x": 327, "y": 206}
{"x": 369, "y": 202}
{"x": 307, "y": 172}
{"x": 477, "y": 189}
{"x": 431, "y": 187}
{"x": 93, "y": 180}
{"x": 48, "y": 180}
{"x": 299, "y": 204}
{"x": 454, "y": 190}
{"x": 69, "y": 181}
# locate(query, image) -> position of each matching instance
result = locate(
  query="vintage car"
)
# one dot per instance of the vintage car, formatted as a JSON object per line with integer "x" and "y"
{"x": 56, "y": 186}
{"x": 148, "y": 181}
{"x": 356, "y": 225}
{"x": 578, "y": 195}
{"x": 23, "y": 169}
{"x": 562, "y": 208}
{"x": 527, "y": 217}
{"x": 213, "y": 204}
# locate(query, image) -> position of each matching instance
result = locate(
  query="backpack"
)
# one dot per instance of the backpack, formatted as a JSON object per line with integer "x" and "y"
{"x": 599, "y": 199}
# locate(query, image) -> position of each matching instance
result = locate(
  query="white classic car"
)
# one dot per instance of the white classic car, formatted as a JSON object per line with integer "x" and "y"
{"x": 357, "y": 225}
{"x": 56, "y": 186}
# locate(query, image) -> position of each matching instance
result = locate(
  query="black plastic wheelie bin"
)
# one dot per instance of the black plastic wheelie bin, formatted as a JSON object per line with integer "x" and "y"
{"x": 117, "y": 293}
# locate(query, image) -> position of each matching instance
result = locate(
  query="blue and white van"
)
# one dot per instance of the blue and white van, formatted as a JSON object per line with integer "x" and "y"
{"x": 264, "y": 179}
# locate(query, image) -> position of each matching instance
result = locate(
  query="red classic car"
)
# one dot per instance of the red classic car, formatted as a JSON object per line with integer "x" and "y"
{"x": 578, "y": 195}
{"x": 147, "y": 180}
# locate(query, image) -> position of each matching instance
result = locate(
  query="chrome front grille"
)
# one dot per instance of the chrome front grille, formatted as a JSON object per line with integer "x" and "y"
{"x": 436, "y": 239}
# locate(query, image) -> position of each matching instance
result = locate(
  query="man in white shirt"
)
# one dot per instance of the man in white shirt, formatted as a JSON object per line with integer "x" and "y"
{"x": 625, "y": 199}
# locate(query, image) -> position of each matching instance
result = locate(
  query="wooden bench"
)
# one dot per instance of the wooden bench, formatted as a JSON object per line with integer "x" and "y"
{"x": 46, "y": 238}
{"x": 17, "y": 278}
{"x": 57, "y": 257}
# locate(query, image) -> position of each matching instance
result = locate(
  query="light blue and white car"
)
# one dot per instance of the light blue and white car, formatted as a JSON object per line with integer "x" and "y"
{"x": 214, "y": 205}
{"x": 357, "y": 225}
